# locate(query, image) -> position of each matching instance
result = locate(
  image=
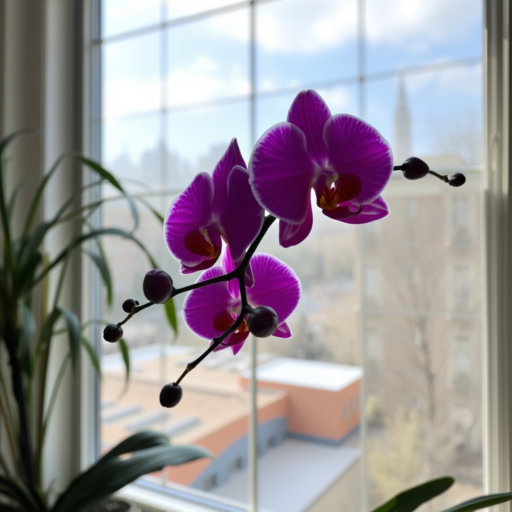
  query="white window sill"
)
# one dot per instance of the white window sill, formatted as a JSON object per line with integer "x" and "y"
{"x": 150, "y": 500}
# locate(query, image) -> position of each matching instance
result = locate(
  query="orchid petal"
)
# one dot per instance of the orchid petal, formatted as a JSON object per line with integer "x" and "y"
{"x": 229, "y": 159}
{"x": 202, "y": 305}
{"x": 281, "y": 172}
{"x": 342, "y": 213}
{"x": 375, "y": 210}
{"x": 188, "y": 212}
{"x": 229, "y": 265}
{"x": 357, "y": 148}
{"x": 275, "y": 285}
{"x": 204, "y": 265}
{"x": 310, "y": 113}
{"x": 283, "y": 331}
{"x": 242, "y": 216}
{"x": 294, "y": 234}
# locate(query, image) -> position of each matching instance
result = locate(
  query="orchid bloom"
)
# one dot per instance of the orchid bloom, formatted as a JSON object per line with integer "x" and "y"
{"x": 212, "y": 209}
{"x": 211, "y": 310}
{"x": 343, "y": 159}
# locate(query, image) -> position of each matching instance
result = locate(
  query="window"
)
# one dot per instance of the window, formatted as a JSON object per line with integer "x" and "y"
{"x": 177, "y": 87}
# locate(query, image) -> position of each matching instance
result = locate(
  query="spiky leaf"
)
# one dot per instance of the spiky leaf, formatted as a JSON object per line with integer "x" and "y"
{"x": 411, "y": 499}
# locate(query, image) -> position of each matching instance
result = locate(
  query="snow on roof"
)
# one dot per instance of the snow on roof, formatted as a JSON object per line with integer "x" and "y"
{"x": 308, "y": 374}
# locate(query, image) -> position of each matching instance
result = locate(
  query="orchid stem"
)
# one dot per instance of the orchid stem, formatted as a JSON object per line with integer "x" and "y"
{"x": 238, "y": 273}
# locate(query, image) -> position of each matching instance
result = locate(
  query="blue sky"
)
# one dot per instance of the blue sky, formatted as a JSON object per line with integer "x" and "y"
{"x": 301, "y": 43}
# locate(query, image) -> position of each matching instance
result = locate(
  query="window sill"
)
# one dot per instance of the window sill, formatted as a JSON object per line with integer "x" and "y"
{"x": 151, "y": 499}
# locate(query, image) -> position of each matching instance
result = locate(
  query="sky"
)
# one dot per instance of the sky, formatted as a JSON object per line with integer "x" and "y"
{"x": 300, "y": 44}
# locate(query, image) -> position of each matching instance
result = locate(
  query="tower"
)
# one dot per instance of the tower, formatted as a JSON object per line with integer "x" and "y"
{"x": 402, "y": 142}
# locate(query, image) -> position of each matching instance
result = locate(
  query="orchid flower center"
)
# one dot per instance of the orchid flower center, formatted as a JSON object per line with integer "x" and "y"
{"x": 198, "y": 242}
{"x": 345, "y": 188}
{"x": 330, "y": 198}
{"x": 224, "y": 320}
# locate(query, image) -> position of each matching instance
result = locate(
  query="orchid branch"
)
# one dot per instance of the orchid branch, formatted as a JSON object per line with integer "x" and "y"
{"x": 239, "y": 274}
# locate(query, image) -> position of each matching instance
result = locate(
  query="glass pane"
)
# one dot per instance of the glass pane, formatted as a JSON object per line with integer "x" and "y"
{"x": 131, "y": 149}
{"x": 399, "y": 36}
{"x": 305, "y": 42}
{"x": 214, "y": 61}
{"x": 177, "y": 9}
{"x": 125, "y": 15}
{"x": 198, "y": 138}
{"x": 131, "y": 75}
{"x": 436, "y": 114}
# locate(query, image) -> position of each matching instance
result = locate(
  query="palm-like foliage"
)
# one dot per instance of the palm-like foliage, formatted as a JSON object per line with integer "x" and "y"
{"x": 24, "y": 270}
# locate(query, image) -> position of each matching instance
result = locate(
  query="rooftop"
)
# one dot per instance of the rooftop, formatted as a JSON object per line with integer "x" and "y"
{"x": 308, "y": 374}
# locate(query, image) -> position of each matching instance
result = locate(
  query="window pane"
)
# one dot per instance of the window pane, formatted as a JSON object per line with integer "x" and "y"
{"x": 177, "y": 9}
{"x": 213, "y": 63}
{"x": 125, "y": 15}
{"x": 198, "y": 138}
{"x": 131, "y": 75}
{"x": 304, "y": 42}
{"x": 435, "y": 114}
{"x": 400, "y": 36}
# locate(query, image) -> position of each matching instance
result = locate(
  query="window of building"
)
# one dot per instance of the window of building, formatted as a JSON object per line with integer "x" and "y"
{"x": 462, "y": 355}
{"x": 178, "y": 84}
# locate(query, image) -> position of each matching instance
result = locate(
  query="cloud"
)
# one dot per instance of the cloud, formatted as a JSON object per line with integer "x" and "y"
{"x": 306, "y": 26}
{"x": 201, "y": 80}
{"x": 205, "y": 79}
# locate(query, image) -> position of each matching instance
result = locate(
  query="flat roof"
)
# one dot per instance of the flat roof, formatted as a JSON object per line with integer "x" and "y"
{"x": 308, "y": 374}
{"x": 293, "y": 475}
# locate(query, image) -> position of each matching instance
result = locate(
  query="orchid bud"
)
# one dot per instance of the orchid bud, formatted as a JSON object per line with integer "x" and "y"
{"x": 129, "y": 304}
{"x": 112, "y": 333}
{"x": 170, "y": 395}
{"x": 157, "y": 286}
{"x": 456, "y": 180}
{"x": 414, "y": 168}
{"x": 262, "y": 321}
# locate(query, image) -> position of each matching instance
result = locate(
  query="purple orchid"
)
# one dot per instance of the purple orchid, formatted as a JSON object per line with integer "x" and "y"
{"x": 212, "y": 209}
{"x": 212, "y": 310}
{"x": 343, "y": 159}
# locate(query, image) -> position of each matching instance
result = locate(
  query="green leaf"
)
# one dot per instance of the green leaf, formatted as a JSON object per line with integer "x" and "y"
{"x": 151, "y": 209}
{"x": 73, "y": 327}
{"x": 92, "y": 354}
{"x": 99, "y": 259}
{"x": 110, "y": 178}
{"x": 13, "y": 198}
{"x": 108, "y": 476}
{"x": 170, "y": 312}
{"x": 95, "y": 234}
{"x": 18, "y": 493}
{"x": 481, "y": 502}
{"x": 39, "y": 194}
{"x": 28, "y": 327}
{"x": 412, "y": 498}
{"x": 136, "y": 442}
{"x": 123, "y": 347}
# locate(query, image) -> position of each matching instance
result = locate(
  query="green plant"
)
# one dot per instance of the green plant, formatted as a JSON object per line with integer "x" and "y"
{"x": 27, "y": 331}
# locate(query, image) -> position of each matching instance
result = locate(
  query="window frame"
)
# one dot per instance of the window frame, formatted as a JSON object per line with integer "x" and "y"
{"x": 497, "y": 380}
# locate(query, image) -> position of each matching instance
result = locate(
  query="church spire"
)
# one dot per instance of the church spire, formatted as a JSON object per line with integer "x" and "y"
{"x": 402, "y": 142}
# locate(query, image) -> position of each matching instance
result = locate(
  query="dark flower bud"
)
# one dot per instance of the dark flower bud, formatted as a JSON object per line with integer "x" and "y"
{"x": 157, "y": 286}
{"x": 456, "y": 180}
{"x": 129, "y": 304}
{"x": 112, "y": 333}
{"x": 170, "y": 395}
{"x": 414, "y": 168}
{"x": 262, "y": 321}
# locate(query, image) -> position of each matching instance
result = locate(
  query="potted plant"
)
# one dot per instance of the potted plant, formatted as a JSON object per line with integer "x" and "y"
{"x": 25, "y": 270}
